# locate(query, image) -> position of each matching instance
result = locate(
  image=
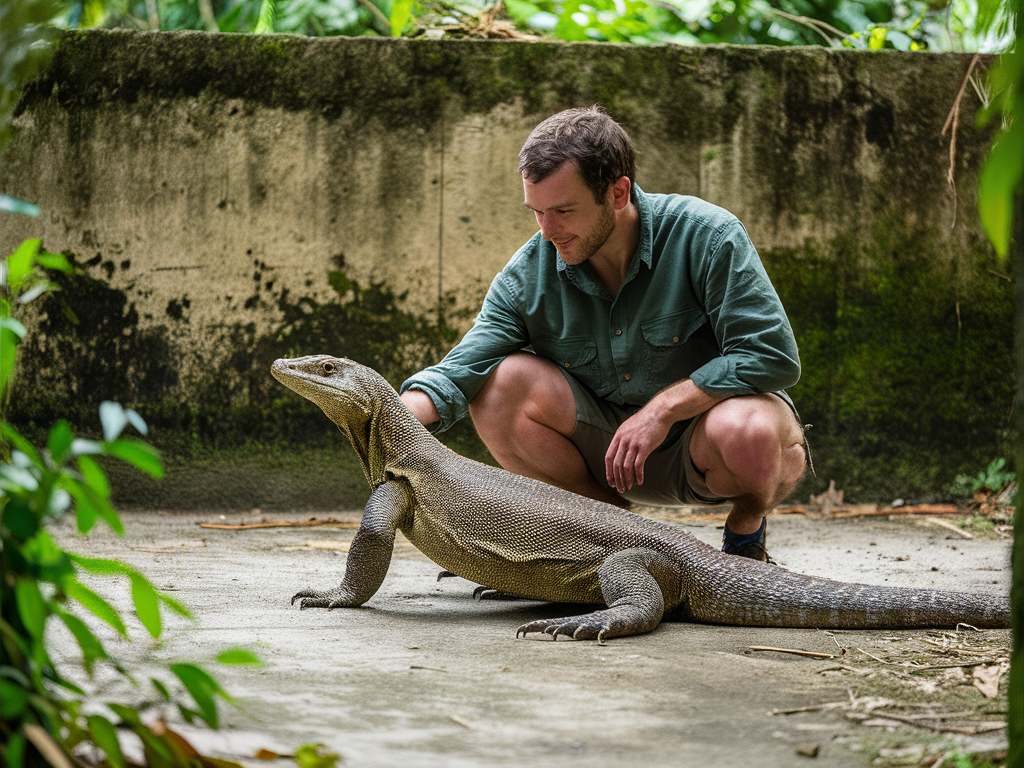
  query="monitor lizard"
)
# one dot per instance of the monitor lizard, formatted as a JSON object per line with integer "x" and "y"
{"x": 522, "y": 537}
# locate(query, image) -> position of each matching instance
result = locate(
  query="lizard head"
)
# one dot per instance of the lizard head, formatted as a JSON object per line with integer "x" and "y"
{"x": 353, "y": 397}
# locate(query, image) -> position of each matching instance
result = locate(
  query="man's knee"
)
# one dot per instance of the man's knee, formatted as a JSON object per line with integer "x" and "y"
{"x": 524, "y": 385}
{"x": 759, "y": 441}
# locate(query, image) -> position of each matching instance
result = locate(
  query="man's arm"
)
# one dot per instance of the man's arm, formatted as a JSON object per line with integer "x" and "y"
{"x": 497, "y": 332}
{"x": 422, "y": 407}
{"x": 641, "y": 433}
{"x": 758, "y": 353}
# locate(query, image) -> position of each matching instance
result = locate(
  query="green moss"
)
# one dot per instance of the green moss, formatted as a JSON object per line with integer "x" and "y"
{"x": 904, "y": 362}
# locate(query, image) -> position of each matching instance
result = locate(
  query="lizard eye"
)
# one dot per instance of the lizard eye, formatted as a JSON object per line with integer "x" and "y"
{"x": 329, "y": 367}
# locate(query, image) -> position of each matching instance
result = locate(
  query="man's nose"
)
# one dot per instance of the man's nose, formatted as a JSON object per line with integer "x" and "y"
{"x": 547, "y": 227}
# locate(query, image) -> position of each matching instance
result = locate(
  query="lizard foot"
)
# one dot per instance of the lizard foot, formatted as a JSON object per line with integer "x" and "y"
{"x": 486, "y": 593}
{"x": 589, "y": 626}
{"x": 445, "y": 575}
{"x": 332, "y": 598}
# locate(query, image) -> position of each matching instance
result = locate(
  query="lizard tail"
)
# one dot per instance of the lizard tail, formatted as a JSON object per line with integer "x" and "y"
{"x": 758, "y": 594}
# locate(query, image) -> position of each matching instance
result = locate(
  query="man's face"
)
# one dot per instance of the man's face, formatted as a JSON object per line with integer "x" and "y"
{"x": 567, "y": 214}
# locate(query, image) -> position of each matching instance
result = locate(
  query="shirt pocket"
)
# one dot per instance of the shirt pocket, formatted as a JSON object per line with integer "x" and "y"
{"x": 576, "y": 355}
{"x": 573, "y": 354}
{"x": 674, "y": 347}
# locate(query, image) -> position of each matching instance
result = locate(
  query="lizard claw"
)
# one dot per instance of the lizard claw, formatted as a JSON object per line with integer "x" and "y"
{"x": 331, "y": 599}
{"x": 591, "y": 626}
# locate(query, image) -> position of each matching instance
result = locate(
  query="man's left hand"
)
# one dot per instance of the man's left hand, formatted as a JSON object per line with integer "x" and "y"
{"x": 635, "y": 440}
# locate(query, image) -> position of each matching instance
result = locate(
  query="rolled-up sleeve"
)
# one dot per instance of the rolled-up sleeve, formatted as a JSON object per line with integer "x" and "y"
{"x": 759, "y": 352}
{"x": 497, "y": 332}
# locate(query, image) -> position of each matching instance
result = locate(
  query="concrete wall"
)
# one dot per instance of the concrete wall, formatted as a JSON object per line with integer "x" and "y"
{"x": 213, "y": 181}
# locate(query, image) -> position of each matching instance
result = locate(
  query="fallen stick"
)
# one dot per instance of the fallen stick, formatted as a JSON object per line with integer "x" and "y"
{"x": 812, "y": 708}
{"x": 918, "y": 509}
{"x": 950, "y": 527}
{"x": 331, "y": 523}
{"x": 812, "y": 654}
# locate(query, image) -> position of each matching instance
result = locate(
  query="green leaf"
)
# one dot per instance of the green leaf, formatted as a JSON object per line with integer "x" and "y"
{"x": 265, "y": 22}
{"x": 93, "y": 476}
{"x": 202, "y": 688}
{"x": 105, "y": 737}
{"x": 80, "y": 447}
{"x": 91, "y": 505}
{"x": 59, "y": 442}
{"x": 92, "y": 648}
{"x": 11, "y": 435}
{"x": 14, "y": 326}
{"x": 161, "y": 689}
{"x": 137, "y": 454}
{"x": 174, "y": 605}
{"x": 113, "y": 419}
{"x": 19, "y": 263}
{"x": 127, "y": 714}
{"x": 31, "y": 606}
{"x": 10, "y": 204}
{"x": 401, "y": 14}
{"x": 308, "y": 756}
{"x": 1000, "y": 178}
{"x": 13, "y": 699}
{"x": 96, "y": 605}
{"x": 146, "y": 604}
{"x": 239, "y": 656}
{"x": 57, "y": 261}
{"x": 20, "y": 520}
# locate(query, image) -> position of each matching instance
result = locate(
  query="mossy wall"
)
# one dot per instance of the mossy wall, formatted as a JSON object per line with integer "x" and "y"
{"x": 232, "y": 199}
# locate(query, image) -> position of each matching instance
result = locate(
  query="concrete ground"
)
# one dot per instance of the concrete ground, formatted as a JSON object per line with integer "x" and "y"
{"x": 423, "y": 675}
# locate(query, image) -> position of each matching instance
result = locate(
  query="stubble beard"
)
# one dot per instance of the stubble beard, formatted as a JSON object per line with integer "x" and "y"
{"x": 593, "y": 241}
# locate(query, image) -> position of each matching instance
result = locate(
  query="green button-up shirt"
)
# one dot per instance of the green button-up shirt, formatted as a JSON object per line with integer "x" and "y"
{"x": 696, "y": 303}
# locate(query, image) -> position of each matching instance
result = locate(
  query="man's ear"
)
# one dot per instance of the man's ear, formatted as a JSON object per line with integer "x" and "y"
{"x": 620, "y": 192}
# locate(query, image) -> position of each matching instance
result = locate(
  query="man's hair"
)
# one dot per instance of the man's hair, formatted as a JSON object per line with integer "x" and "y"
{"x": 585, "y": 136}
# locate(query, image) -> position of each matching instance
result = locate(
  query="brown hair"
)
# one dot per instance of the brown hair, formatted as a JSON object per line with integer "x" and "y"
{"x": 586, "y": 136}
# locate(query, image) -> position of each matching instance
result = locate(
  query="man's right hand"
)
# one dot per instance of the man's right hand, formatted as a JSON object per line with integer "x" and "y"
{"x": 421, "y": 406}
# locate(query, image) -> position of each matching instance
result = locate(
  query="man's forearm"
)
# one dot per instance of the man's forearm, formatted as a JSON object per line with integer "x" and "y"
{"x": 680, "y": 401}
{"x": 421, "y": 406}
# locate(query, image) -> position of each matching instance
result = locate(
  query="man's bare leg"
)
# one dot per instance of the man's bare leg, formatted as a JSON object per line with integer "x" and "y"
{"x": 525, "y": 413}
{"x": 752, "y": 452}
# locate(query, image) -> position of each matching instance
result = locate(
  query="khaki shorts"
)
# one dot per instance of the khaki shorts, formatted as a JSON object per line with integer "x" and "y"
{"x": 670, "y": 477}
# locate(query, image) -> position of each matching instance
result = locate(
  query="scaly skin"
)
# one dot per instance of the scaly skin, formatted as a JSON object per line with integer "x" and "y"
{"x": 523, "y": 537}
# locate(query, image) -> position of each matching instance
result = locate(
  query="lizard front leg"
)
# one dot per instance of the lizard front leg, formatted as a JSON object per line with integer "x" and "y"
{"x": 631, "y": 584}
{"x": 370, "y": 553}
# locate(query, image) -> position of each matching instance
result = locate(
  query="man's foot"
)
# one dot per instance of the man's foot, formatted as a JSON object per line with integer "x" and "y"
{"x": 750, "y": 545}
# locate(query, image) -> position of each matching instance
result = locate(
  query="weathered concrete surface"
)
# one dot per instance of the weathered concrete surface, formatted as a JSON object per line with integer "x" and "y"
{"x": 424, "y": 676}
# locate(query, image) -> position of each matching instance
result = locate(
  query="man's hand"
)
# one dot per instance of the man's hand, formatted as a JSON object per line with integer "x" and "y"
{"x": 635, "y": 440}
{"x": 638, "y": 436}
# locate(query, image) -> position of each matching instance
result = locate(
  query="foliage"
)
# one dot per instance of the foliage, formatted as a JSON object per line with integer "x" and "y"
{"x": 990, "y": 480}
{"x": 24, "y": 29}
{"x": 1001, "y": 207}
{"x": 39, "y": 706}
{"x": 904, "y": 24}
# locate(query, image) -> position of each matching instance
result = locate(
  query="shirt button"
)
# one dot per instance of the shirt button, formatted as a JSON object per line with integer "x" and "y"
{"x": 675, "y": 339}
{"x": 618, "y": 332}
{"x": 626, "y": 377}
{"x": 566, "y": 365}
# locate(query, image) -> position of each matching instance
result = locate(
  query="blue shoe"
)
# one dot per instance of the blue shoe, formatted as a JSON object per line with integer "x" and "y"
{"x": 750, "y": 545}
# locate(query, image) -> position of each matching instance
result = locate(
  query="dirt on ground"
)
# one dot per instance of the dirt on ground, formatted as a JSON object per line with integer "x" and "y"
{"x": 424, "y": 675}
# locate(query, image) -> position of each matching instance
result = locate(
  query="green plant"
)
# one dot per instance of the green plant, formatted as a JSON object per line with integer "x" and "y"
{"x": 991, "y": 479}
{"x": 41, "y": 711}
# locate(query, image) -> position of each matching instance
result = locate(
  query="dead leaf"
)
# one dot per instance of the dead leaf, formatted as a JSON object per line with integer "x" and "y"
{"x": 986, "y": 680}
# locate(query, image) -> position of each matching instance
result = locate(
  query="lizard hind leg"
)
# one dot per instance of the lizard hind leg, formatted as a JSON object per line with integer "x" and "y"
{"x": 633, "y": 595}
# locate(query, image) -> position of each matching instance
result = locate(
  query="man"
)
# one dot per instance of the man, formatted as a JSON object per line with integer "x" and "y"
{"x": 660, "y": 347}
